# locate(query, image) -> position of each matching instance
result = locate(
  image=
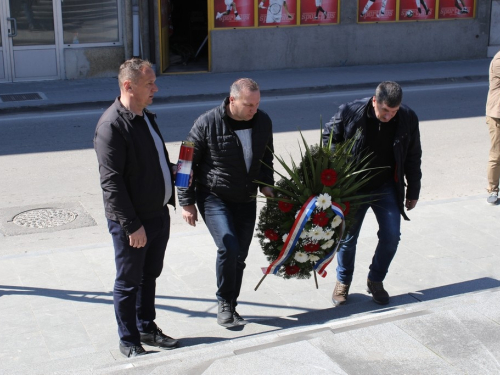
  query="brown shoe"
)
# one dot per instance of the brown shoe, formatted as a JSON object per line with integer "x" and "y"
{"x": 379, "y": 294}
{"x": 340, "y": 292}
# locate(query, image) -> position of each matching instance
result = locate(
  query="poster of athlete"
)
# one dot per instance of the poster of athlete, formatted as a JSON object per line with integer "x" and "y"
{"x": 417, "y": 10}
{"x": 319, "y": 11}
{"x": 456, "y": 9}
{"x": 277, "y": 12}
{"x": 376, "y": 10}
{"x": 233, "y": 13}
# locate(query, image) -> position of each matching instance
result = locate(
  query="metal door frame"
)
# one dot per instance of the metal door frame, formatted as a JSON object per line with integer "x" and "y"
{"x": 8, "y": 47}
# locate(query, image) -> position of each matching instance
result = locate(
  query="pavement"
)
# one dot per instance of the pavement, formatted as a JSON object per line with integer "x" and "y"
{"x": 444, "y": 316}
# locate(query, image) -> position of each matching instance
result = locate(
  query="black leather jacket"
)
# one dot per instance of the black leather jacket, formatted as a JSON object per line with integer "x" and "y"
{"x": 131, "y": 176}
{"x": 218, "y": 161}
{"x": 407, "y": 149}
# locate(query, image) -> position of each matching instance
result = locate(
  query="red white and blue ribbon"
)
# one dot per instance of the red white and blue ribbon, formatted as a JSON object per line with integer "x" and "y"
{"x": 293, "y": 236}
{"x": 321, "y": 264}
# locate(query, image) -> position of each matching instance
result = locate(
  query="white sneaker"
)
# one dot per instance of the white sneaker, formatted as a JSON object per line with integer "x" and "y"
{"x": 218, "y": 16}
{"x": 493, "y": 197}
{"x": 237, "y": 18}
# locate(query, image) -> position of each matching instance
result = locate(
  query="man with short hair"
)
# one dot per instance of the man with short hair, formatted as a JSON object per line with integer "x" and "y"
{"x": 493, "y": 121}
{"x": 137, "y": 183}
{"x": 233, "y": 148}
{"x": 388, "y": 130}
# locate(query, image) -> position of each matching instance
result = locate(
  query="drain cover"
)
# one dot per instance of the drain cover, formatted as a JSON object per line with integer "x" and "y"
{"x": 20, "y": 97}
{"x": 44, "y": 218}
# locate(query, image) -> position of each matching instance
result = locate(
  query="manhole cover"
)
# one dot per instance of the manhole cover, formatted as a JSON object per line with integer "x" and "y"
{"x": 44, "y": 218}
{"x": 20, "y": 97}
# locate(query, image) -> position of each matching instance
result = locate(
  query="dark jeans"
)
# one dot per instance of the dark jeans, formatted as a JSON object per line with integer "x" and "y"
{"x": 386, "y": 210}
{"x": 136, "y": 272}
{"x": 231, "y": 226}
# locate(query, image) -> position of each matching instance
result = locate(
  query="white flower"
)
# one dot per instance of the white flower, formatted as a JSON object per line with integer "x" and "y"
{"x": 316, "y": 233}
{"x": 303, "y": 234}
{"x": 328, "y": 233}
{"x": 328, "y": 244}
{"x": 324, "y": 201}
{"x": 284, "y": 237}
{"x": 301, "y": 257}
{"x": 336, "y": 221}
{"x": 266, "y": 240}
{"x": 313, "y": 258}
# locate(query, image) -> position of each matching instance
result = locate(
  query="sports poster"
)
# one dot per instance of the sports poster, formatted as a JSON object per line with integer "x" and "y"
{"x": 376, "y": 11}
{"x": 233, "y": 13}
{"x": 417, "y": 10}
{"x": 456, "y": 9}
{"x": 277, "y": 12}
{"x": 319, "y": 11}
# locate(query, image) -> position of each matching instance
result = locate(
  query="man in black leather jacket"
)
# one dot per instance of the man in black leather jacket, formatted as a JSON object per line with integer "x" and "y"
{"x": 389, "y": 131}
{"x": 137, "y": 183}
{"x": 233, "y": 146}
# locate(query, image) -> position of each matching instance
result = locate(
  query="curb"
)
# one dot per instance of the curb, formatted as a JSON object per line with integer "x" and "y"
{"x": 217, "y": 96}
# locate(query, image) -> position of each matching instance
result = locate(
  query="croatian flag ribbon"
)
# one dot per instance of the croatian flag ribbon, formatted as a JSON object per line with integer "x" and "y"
{"x": 293, "y": 236}
{"x": 321, "y": 264}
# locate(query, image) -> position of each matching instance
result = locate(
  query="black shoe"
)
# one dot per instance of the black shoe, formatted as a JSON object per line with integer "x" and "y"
{"x": 238, "y": 320}
{"x": 419, "y": 10}
{"x": 427, "y": 11}
{"x": 131, "y": 351}
{"x": 379, "y": 294}
{"x": 158, "y": 338}
{"x": 225, "y": 314}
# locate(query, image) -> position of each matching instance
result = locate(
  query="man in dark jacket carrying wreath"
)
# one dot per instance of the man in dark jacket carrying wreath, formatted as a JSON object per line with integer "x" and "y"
{"x": 389, "y": 131}
{"x": 233, "y": 146}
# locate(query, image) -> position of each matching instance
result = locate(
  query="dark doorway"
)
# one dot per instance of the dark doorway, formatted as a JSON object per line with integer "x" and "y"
{"x": 188, "y": 42}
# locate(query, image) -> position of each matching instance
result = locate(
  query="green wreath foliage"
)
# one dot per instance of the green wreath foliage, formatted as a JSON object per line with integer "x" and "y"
{"x": 313, "y": 176}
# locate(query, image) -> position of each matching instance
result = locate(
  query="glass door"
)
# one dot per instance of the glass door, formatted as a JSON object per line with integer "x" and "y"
{"x": 31, "y": 40}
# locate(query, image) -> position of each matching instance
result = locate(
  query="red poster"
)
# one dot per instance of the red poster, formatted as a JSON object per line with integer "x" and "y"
{"x": 233, "y": 13}
{"x": 277, "y": 12}
{"x": 319, "y": 11}
{"x": 376, "y": 10}
{"x": 456, "y": 9}
{"x": 416, "y": 10}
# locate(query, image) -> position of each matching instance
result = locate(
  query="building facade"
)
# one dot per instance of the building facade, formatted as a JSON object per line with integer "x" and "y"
{"x": 75, "y": 39}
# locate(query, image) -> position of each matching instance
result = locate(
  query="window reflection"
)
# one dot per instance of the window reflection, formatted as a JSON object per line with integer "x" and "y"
{"x": 35, "y": 22}
{"x": 90, "y": 21}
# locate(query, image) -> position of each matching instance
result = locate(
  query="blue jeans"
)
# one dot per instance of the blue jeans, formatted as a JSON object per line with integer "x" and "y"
{"x": 136, "y": 272}
{"x": 386, "y": 210}
{"x": 231, "y": 225}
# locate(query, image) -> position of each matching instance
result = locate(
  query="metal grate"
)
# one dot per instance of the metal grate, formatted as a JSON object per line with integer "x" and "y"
{"x": 20, "y": 97}
{"x": 44, "y": 218}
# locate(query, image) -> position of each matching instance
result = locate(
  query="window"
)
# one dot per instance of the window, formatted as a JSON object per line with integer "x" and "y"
{"x": 90, "y": 21}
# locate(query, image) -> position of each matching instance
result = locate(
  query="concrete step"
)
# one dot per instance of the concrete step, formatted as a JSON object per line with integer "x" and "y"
{"x": 423, "y": 332}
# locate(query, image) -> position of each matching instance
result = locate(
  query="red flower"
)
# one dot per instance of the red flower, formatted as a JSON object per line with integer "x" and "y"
{"x": 328, "y": 177}
{"x": 292, "y": 270}
{"x": 311, "y": 247}
{"x": 285, "y": 206}
{"x": 347, "y": 208}
{"x": 320, "y": 219}
{"x": 271, "y": 234}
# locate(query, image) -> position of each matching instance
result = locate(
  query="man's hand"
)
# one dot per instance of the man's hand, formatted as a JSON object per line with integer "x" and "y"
{"x": 267, "y": 191}
{"x": 190, "y": 214}
{"x": 138, "y": 238}
{"x": 410, "y": 204}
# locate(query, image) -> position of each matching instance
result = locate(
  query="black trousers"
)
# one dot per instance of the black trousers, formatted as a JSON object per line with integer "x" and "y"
{"x": 136, "y": 272}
